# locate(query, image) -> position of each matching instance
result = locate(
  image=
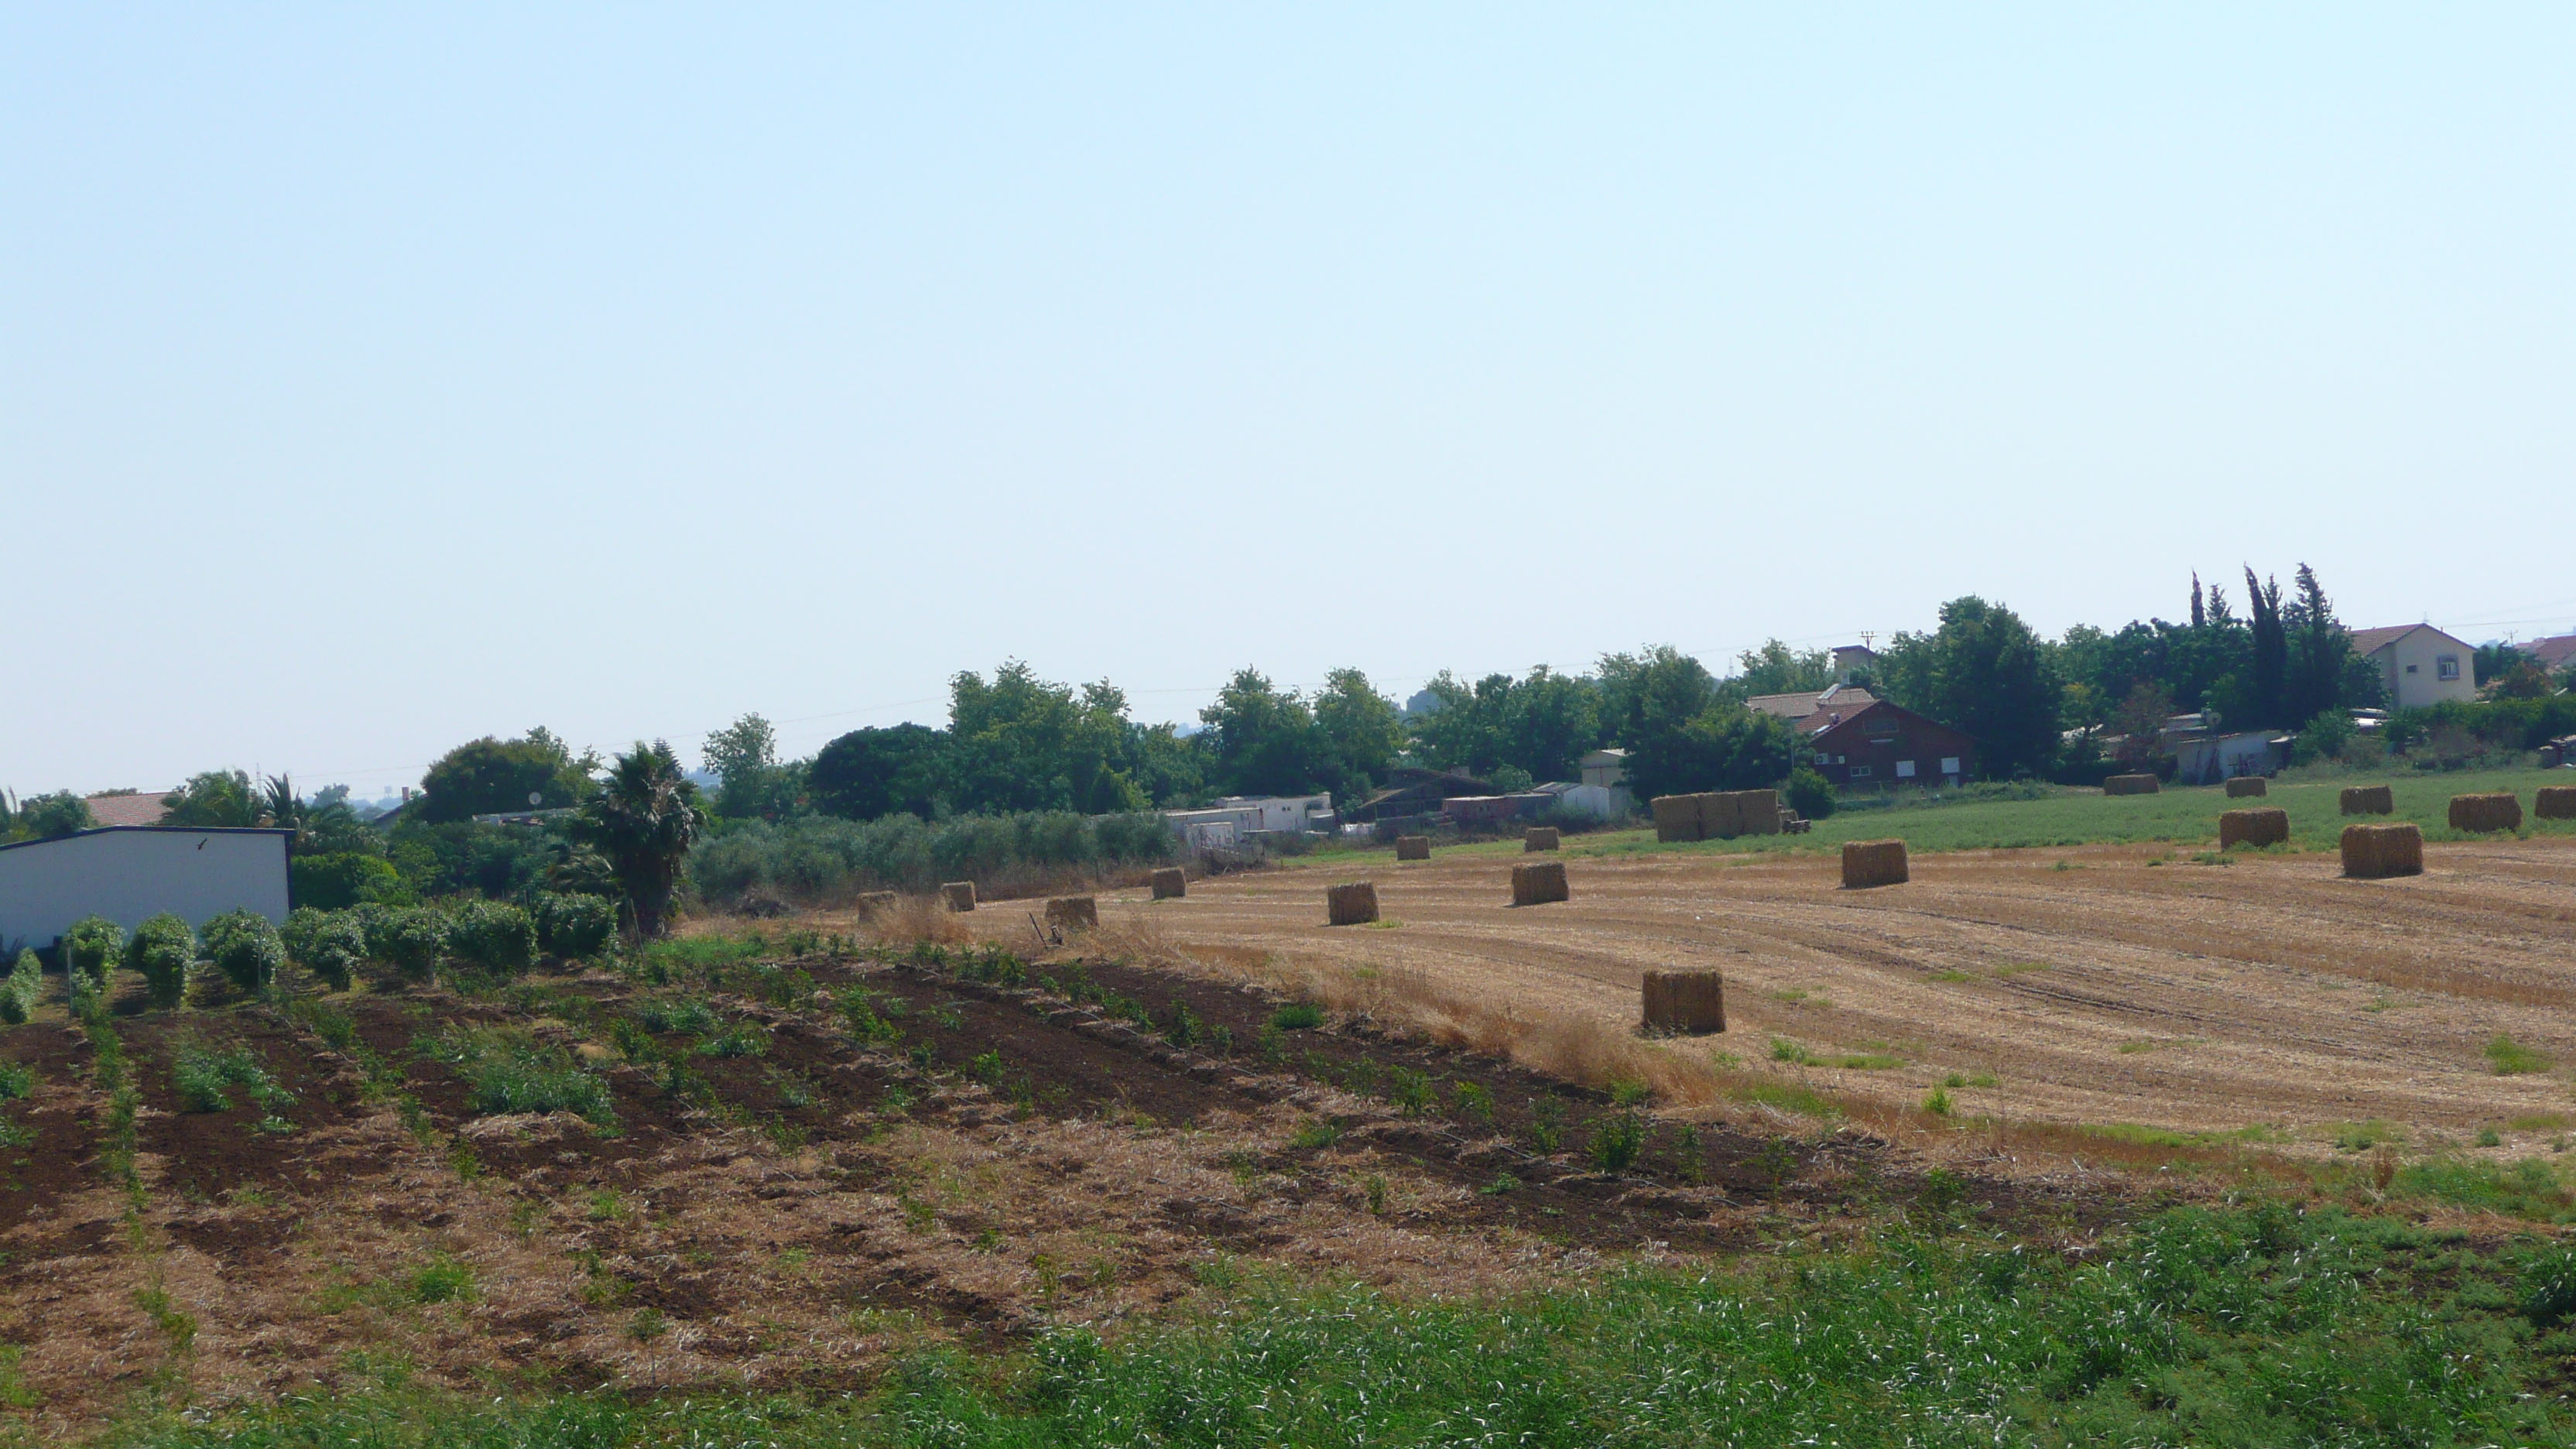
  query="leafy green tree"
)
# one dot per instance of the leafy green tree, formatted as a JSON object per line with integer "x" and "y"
{"x": 873, "y": 772}
{"x": 1169, "y": 768}
{"x": 1984, "y": 673}
{"x": 644, "y": 818}
{"x": 1724, "y": 747}
{"x": 214, "y": 799}
{"x": 1022, "y": 743}
{"x": 1809, "y": 793}
{"x": 492, "y": 776}
{"x": 1775, "y": 668}
{"x": 2319, "y": 651}
{"x": 1648, "y": 702}
{"x": 1265, "y": 741}
{"x": 1466, "y": 732}
{"x": 51, "y": 817}
{"x": 744, "y": 755}
{"x": 1363, "y": 728}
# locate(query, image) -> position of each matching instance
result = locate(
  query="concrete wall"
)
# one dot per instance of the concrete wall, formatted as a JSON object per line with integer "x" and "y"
{"x": 133, "y": 873}
{"x": 2412, "y": 664}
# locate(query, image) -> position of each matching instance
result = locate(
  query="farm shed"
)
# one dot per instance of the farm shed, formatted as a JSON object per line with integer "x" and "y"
{"x": 1413, "y": 792}
{"x": 1880, "y": 745}
{"x": 129, "y": 873}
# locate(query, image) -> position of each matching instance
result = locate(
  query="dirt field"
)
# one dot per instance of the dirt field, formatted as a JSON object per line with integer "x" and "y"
{"x": 2127, "y": 985}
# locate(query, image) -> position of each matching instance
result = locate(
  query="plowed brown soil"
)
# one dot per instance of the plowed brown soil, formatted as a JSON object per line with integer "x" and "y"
{"x": 2127, "y": 985}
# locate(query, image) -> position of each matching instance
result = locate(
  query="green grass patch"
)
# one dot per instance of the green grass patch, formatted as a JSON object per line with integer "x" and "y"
{"x": 507, "y": 1071}
{"x": 1787, "y": 1097}
{"x": 2246, "y": 1327}
{"x": 2526, "y": 1189}
{"x": 2511, "y": 1059}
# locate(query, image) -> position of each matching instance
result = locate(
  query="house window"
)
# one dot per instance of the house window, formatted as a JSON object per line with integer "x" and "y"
{"x": 2410, "y": 668}
{"x": 1905, "y": 769}
{"x": 1949, "y": 764}
{"x": 1858, "y": 771}
{"x": 1879, "y": 726}
{"x": 2448, "y": 666}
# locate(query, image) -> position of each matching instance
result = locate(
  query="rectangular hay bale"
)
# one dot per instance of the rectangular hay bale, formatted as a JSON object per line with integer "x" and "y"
{"x": 1538, "y": 837}
{"x": 1351, "y": 905}
{"x": 1538, "y": 883}
{"x": 1073, "y": 912}
{"x": 2244, "y": 786}
{"x": 959, "y": 894}
{"x": 1676, "y": 818}
{"x": 1171, "y": 883}
{"x": 2368, "y": 800}
{"x": 1721, "y": 816}
{"x": 1759, "y": 810}
{"x": 2130, "y": 785}
{"x": 1873, "y": 863}
{"x": 2375, "y": 852}
{"x": 2556, "y": 802}
{"x": 1413, "y": 847}
{"x": 2269, "y": 826}
{"x": 875, "y": 903}
{"x": 1685, "y": 1001}
{"x": 2501, "y": 810}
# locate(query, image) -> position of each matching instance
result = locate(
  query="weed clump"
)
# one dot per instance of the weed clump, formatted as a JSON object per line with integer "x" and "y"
{"x": 2511, "y": 1059}
{"x": 205, "y": 1077}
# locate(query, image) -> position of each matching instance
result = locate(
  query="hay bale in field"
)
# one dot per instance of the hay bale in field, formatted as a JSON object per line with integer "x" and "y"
{"x": 1676, "y": 818}
{"x": 1721, "y": 815}
{"x": 2556, "y": 802}
{"x": 1073, "y": 912}
{"x": 873, "y": 904}
{"x": 2368, "y": 800}
{"x": 2375, "y": 852}
{"x": 2253, "y": 827}
{"x": 1538, "y": 837}
{"x": 1351, "y": 905}
{"x": 1685, "y": 1001}
{"x": 2129, "y": 785}
{"x": 1873, "y": 863}
{"x": 2245, "y": 785}
{"x": 1759, "y": 810}
{"x": 1538, "y": 883}
{"x": 959, "y": 894}
{"x": 1170, "y": 883}
{"x": 2501, "y": 810}
{"x": 1413, "y": 847}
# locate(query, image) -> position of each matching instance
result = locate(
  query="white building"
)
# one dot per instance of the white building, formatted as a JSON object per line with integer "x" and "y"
{"x": 130, "y": 873}
{"x": 2421, "y": 664}
{"x": 1237, "y": 816}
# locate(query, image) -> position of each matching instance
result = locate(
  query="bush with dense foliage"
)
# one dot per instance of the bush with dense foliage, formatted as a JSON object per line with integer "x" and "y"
{"x": 24, "y": 988}
{"x": 823, "y": 858}
{"x": 492, "y": 776}
{"x": 245, "y": 947}
{"x": 493, "y": 936}
{"x": 160, "y": 951}
{"x": 571, "y": 927}
{"x": 330, "y": 944}
{"x": 51, "y": 817}
{"x": 92, "y": 946}
{"x": 1810, "y": 793}
{"x": 643, "y": 819}
{"x": 411, "y": 939}
{"x": 342, "y": 879}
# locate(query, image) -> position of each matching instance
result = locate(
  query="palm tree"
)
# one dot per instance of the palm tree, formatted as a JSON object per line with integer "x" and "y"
{"x": 644, "y": 819}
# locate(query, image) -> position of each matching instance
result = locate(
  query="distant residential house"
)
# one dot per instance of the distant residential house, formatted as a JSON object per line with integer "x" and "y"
{"x": 1802, "y": 705}
{"x": 129, "y": 807}
{"x": 2555, "y": 653}
{"x": 1875, "y": 744}
{"x": 2421, "y": 665}
{"x": 1851, "y": 659}
{"x": 130, "y": 873}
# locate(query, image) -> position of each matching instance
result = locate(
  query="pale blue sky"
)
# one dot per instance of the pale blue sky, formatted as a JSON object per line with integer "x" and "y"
{"x": 372, "y": 381}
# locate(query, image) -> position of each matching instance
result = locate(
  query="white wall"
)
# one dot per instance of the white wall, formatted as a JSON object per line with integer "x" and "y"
{"x": 129, "y": 875}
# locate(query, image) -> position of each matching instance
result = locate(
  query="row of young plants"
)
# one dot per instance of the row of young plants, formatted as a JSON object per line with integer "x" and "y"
{"x": 243, "y": 951}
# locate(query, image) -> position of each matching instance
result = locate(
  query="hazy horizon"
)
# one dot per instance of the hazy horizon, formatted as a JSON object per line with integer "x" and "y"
{"x": 378, "y": 382}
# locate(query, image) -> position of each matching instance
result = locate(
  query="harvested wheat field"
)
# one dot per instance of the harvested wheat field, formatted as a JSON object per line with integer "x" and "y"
{"x": 2095, "y": 985}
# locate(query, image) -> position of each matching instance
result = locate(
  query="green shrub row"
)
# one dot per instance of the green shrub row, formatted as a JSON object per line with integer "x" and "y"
{"x": 823, "y": 857}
